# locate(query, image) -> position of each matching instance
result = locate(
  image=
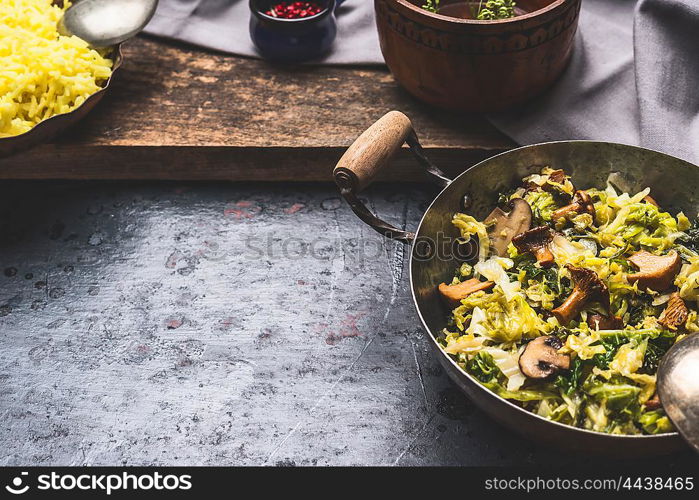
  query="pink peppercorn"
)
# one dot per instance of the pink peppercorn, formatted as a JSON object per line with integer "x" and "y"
{"x": 294, "y": 10}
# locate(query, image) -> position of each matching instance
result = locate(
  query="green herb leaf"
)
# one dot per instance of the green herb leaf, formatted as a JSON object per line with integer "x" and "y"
{"x": 483, "y": 367}
{"x": 568, "y": 382}
{"x": 495, "y": 9}
{"x": 431, "y": 5}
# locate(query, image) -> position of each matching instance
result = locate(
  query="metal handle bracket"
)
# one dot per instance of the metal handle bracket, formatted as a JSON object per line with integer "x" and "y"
{"x": 368, "y": 155}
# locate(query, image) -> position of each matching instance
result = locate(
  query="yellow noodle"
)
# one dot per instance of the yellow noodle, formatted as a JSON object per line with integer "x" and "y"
{"x": 42, "y": 73}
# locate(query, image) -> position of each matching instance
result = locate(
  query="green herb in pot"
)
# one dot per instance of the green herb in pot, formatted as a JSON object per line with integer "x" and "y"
{"x": 491, "y": 10}
{"x": 484, "y": 10}
{"x": 431, "y": 5}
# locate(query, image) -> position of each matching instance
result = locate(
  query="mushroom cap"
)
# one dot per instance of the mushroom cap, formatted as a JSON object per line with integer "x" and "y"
{"x": 557, "y": 176}
{"x": 675, "y": 313}
{"x": 536, "y": 241}
{"x": 656, "y": 272}
{"x": 541, "y": 358}
{"x": 538, "y": 236}
{"x": 581, "y": 204}
{"x": 587, "y": 281}
{"x": 600, "y": 322}
{"x": 653, "y": 403}
{"x": 502, "y": 227}
{"x": 553, "y": 177}
{"x": 454, "y": 293}
{"x": 583, "y": 199}
{"x": 588, "y": 288}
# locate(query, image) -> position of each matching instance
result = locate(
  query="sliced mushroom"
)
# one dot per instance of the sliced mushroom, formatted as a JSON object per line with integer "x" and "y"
{"x": 541, "y": 358}
{"x": 675, "y": 313}
{"x": 557, "y": 177}
{"x": 536, "y": 241}
{"x": 587, "y": 288}
{"x": 502, "y": 227}
{"x": 600, "y": 322}
{"x": 656, "y": 272}
{"x": 454, "y": 293}
{"x": 553, "y": 180}
{"x": 581, "y": 204}
{"x": 653, "y": 403}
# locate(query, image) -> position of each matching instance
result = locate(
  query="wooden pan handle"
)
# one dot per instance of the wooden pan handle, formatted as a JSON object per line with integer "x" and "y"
{"x": 372, "y": 151}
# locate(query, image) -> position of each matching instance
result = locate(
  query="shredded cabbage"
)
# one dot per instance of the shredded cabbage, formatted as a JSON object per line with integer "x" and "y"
{"x": 508, "y": 363}
{"x": 542, "y": 205}
{"x": 612, "y": 372}
{"x": 635, "y": 222}
{"x": 688, "y": 280}
{"x": 499, "y": 319}
{"x": 493, "y": 269}
{"x": 468, "y": 226}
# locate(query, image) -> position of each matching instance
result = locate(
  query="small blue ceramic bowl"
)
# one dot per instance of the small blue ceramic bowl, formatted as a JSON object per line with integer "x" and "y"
{"x": 293, "y": 40}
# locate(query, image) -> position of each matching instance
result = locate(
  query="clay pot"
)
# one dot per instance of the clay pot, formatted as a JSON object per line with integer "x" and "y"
{"x": 474, "y": 65}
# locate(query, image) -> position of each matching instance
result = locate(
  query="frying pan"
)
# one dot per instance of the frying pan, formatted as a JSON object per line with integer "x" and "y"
{"x": 589, "y": 163}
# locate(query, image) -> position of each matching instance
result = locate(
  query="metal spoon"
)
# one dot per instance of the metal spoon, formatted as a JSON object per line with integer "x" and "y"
{"x": 678, "y": 387}
{"x": 103, "y": 23}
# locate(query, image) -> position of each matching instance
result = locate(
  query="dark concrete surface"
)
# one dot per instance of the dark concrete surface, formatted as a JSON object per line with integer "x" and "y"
{"x": 223, "y": 324}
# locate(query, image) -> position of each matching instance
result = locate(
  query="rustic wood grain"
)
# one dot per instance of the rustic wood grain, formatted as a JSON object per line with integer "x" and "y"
{"x": 176, "y": 112}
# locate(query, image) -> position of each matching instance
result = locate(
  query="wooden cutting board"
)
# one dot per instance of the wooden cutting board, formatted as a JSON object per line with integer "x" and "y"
{"x": 182, "y": 113}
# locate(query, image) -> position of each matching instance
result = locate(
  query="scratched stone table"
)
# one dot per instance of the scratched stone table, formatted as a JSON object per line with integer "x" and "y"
{"x": 223, "y": 324}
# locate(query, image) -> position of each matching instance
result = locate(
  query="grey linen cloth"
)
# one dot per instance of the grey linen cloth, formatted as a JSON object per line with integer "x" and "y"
{"x": 633, "y": 79}
{"x": 223, "y": 25}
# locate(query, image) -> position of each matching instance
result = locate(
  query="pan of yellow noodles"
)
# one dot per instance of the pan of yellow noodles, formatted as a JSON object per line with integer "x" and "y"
{"x": 47, "y": 81}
